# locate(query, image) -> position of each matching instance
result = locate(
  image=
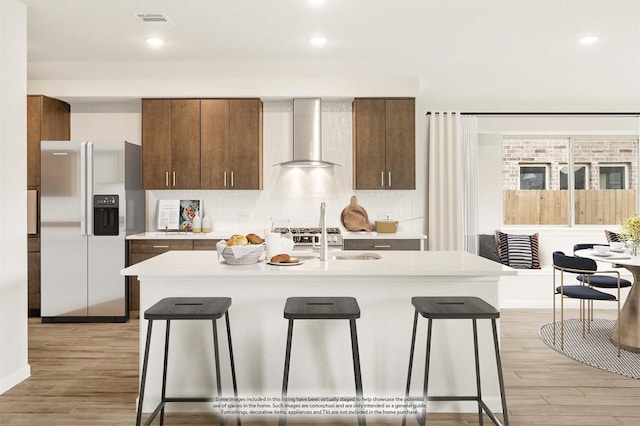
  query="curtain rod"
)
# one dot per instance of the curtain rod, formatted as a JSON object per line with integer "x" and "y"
{"x": 626, "y": 114}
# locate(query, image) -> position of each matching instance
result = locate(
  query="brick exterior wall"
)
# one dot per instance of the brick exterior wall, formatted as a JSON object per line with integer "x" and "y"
{"x": 554, "y": 152}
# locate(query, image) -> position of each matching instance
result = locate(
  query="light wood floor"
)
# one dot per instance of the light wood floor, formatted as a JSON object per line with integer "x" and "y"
{"x": 87, "y": 374}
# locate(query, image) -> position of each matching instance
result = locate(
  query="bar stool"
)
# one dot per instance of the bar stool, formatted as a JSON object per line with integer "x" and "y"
{"x": 323, "y": 308}
{"x": 472, "y": 308}
{"x": 186, "y": 308}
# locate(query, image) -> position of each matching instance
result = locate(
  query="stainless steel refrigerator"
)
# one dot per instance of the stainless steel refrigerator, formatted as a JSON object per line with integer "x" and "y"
{"x": 91, "y": 199}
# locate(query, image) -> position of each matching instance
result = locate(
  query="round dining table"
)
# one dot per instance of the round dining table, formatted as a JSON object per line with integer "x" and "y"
{"x": 629, "y": 320}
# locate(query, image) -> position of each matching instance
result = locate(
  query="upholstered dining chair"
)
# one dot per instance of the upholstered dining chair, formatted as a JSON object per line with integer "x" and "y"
{"x": 600, "y": 281}
{"x": 587, "y": 268}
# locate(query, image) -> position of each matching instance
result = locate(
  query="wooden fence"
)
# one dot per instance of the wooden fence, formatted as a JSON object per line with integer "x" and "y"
{"x": 550, "y": 207}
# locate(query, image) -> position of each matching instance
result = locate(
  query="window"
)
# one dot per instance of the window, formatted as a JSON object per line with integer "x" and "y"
{"x": 580, "y": 176}
{"x": 613, "y": 177}
{"x": 533, "y": 177}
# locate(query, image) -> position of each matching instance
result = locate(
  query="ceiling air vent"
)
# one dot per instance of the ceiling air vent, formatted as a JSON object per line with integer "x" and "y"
{"x": 152, "y": 18}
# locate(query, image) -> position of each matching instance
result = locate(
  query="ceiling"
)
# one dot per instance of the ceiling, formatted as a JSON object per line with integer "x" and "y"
{"x": 514, "y": 51}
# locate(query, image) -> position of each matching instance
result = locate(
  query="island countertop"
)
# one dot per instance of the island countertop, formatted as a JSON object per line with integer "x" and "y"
{"x": 321, "y": 357}
{"x": 392, "y": 263}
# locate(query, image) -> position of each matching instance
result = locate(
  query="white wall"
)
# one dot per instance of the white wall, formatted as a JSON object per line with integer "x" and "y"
{"x": 106, "y": 121}
{"x": 14, "y": 365}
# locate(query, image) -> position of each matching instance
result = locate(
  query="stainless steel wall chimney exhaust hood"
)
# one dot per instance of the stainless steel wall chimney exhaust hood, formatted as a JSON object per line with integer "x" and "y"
{"x": 307, "y": 135}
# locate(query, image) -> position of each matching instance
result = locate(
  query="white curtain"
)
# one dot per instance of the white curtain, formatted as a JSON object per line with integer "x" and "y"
{"x": 453, "y": 182}
{"x": 469, "y": 136}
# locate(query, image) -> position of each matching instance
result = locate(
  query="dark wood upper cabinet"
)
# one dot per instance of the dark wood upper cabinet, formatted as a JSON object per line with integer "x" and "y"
{"x": 48, "y": 119}
{"x": 185, "y": 143}
{"x": 214, "y": 140}
{"x": 202, "y": 143}
{"x": 384, "y": 143}
{"x": 245, "y": 143}
{"x": 171, "y": 143}
{"x": 231, "y": 144}
{"x": 156, "y": 143}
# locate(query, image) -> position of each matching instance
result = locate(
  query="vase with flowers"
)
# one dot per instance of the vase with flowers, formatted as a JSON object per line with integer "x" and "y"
{"x": 631, "y": 234}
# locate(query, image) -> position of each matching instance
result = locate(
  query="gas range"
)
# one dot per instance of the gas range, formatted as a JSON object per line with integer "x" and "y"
{"x": 311, "y": 236}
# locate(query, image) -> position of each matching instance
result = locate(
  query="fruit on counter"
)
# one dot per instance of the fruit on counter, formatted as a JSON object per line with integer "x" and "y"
{"x": 284, "y": 258}
{"x": 254, "y": 239}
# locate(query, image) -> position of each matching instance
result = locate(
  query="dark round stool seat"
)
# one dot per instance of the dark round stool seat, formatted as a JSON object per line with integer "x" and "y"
{"x": 323, "y": 308}
{"x": 186, "y": 308}
{"x": 450, "y": 308}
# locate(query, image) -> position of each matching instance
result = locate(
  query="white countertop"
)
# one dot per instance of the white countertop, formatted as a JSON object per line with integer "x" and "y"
{"x": 175, "y": 235}
{"x": 205, "y": 263}
{"x": 364, "y": 235}
{"x": 221, "y": 235}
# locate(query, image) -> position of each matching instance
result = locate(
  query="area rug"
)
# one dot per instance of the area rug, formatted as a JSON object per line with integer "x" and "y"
{"x": 594, "y": 349}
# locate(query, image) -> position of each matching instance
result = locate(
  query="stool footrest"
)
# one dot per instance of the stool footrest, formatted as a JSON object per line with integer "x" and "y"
{"x": 484, "y": 406}
{"x": 161, "y": 405}
{"x": 453, "y": 398}
{"x": 189, "y": 399}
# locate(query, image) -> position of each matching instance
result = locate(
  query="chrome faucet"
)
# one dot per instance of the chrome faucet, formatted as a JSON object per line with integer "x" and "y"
{"x": 324, "y": 244}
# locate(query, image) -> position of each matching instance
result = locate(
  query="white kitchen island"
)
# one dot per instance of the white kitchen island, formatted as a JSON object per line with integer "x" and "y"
{"x": 321, "y": 363}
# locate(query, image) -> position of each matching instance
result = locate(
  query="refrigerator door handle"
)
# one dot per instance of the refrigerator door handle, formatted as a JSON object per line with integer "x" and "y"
{"x": 88, "y": 194}
{"x": 83, "y": 189}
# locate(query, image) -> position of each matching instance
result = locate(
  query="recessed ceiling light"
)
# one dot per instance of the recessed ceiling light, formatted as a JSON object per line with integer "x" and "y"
{"x": 155, "y": 42}
{"x": 588, "y": 39}
{"x": 316, "y": 1}
{"x": 318, "y": 41}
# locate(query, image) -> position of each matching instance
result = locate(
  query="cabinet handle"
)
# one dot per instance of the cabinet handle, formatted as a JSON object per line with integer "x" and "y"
{"x": 232, "y": 178}
{"x": 166, "y": 179}
{"x": 225, "y": 179}
{"x": 160, "y": 246}
{"x": 382, "y": 178}
{"x": 174, "y": 179}
{"x": 389, "y": 180}
{"x": 375, "y": 246}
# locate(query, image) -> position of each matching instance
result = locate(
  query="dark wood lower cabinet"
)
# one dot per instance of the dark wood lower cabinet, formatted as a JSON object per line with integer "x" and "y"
{"x": 383, "y": 244}
{"x": 139, "y": 250}
{"x": 33, "y": 279}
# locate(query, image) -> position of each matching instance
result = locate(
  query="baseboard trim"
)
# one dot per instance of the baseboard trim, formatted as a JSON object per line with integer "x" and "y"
{"x": 14, "y": 378}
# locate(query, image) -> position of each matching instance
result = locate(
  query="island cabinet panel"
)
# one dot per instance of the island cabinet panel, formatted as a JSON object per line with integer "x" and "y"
{"x": 384, "y": 143}
{"x": 382, "y": 244}
{"x": 231, "y": 144}
{"x": 156, "y": 143}
{"x": 140, "y": 250}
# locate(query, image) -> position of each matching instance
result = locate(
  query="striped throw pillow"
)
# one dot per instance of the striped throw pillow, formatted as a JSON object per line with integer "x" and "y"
{"x": 612, "y": 237}
{"x": 518, "y": 251}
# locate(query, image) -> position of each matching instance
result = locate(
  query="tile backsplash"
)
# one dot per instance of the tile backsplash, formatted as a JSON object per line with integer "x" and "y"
{"x": 296, "y": 194}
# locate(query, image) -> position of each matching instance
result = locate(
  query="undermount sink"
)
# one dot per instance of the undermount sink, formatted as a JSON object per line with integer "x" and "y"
{"x": 338, "y": 255}
{"x": 355, "y": 256}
